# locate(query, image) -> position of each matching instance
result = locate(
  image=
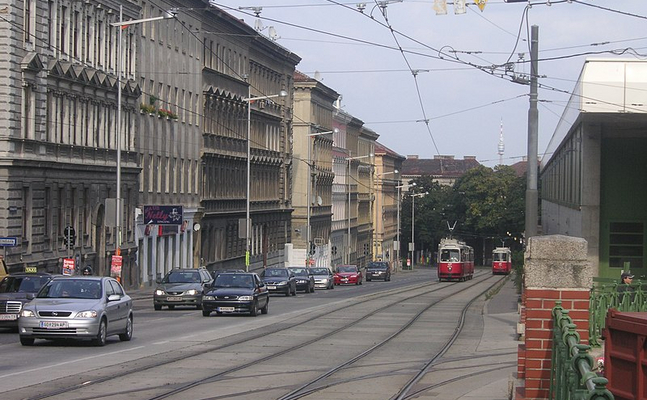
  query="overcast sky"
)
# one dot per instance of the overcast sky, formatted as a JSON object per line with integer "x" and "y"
{"x": 461, "y": 87}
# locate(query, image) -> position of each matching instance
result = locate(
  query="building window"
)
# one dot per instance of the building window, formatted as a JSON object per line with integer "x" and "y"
{"x": 626, "y": 242}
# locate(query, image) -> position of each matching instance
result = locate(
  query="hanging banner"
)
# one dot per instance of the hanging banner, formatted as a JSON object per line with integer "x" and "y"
{"x": 480, "y": 4}
{"x": 115, "y": 266}
{"x": 68, "y": 266}
{"x": 440, "y": 6}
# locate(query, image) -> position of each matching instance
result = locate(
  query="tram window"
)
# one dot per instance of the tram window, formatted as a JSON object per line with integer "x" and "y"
{"x": 449, "y": 255}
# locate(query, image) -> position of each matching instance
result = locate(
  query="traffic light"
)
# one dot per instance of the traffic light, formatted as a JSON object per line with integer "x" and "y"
{"x": 312, "y": 248}
{"x": 69, "y": 237}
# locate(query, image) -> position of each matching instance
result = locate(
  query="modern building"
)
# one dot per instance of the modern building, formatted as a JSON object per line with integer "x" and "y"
{"x": 593, "y": 174}
{"x": 312, "y": 175}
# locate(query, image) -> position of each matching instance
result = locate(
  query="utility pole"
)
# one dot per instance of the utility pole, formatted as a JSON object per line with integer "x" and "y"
{"x": 532, "y": 195}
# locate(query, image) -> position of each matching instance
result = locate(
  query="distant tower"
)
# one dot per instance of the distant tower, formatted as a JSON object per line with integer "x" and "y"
{"x": 501, "y": 144}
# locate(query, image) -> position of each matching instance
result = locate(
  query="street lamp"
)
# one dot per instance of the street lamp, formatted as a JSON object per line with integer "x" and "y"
{"x": 249, "y": 100}
{"x": 121, "y": 25}
{"x": 399, "y": 201}
{"x": 311, "y": 172}
{"x": 349, "y": 159}
{"x": 413, "y": 218}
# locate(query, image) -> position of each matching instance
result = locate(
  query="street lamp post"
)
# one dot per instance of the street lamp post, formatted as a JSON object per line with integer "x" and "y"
{"x": 413, "y": 225}
{"x": 122, "y": 24}
{"x": 311, "y": 172}
{"x": 349, "y": 159}
{"x": 249, "y": 100}
{"x": 399, "y": 187}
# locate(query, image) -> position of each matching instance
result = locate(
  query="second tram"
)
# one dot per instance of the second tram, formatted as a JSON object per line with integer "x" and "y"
{"x": 501, "y": 261}
{"x": 455, "y": 260}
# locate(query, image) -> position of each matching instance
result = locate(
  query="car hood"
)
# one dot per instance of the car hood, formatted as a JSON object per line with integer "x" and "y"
{"x": 65, "y": 304}
{"x": 179, "y": 287}
{"x": 275, "y": 279}
{"x": 14, "y": 296}
{"x": 230, "y": 292}
{"x": 346, "y": 274}
{"x": 322, "y": 276}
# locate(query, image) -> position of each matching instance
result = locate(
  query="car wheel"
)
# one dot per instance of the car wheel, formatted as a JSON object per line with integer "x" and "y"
{"x": 128, "y": 333}
{"x": 100, "y": 340}
{"x": 266, "y": 308}
{"x": 26, "y": 341}
{"x": 206, "y": 313}
{"x": 254, "y": 310}
{"x": 219, "y": 312}
{"x": 171, "y": 307}
{"x": 157, "y": 307}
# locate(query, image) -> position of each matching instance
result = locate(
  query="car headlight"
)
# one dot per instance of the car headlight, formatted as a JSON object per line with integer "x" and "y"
{"x": 159, "y": 292}
{"x": 208, "y": 298}
{"x": 283, "y": 283}
{"x": 353, "y": 276}
{"x": 27, "y": 313}
{"x": 192, "y": 292}
{"x": 86, "y": 314}
{"x": 246, "y": 298}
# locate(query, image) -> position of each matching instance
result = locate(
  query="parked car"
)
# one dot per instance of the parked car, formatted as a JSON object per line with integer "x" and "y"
{"x": 15, "y": 291}
{"x": 323, "y": 278}
{"x": 280, "y": 280}
{"x": 378, "y": 270}
{"x": 305, "y": 279}
{"x": 80, "y": 307}
{"x": 236, "y": 292}
{"x": 181, "y": 287}
{"x": 348, "y": 274}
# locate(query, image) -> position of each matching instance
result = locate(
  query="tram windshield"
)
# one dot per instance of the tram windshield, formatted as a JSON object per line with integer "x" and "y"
{"x": 500, "y": 257}
{"x": 448, "y": 255}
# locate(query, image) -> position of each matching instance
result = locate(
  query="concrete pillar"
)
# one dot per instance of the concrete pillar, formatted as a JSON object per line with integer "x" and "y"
{"x": 556, "y": 268}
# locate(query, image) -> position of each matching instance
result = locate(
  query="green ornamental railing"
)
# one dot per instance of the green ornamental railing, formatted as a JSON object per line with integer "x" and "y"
{"x": 571, "y": 376}
{"x": 605, "y": 295}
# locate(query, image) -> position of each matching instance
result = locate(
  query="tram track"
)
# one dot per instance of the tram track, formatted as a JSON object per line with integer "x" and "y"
{"x": 83, "y": 383}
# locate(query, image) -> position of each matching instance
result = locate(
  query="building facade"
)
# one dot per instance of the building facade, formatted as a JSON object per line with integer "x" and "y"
{"x": 312, "y": 171}
{"x": 586, "y": 188}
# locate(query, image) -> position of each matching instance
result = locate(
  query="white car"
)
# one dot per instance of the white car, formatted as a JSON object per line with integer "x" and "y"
{"x": 79, "y": 307}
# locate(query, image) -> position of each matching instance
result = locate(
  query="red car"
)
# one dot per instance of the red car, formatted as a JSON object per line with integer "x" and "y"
{"x": 348, "y": 274}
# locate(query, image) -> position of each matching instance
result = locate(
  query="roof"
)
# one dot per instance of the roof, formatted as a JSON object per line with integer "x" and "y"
{"x": 381, "y": 149}
{"x": 446, "y": 166}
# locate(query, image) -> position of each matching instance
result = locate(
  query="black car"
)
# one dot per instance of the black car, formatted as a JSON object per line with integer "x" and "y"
{"x": 378, "y": 270}
{"x": 305, "y": 279}
{"x": 181, "y": 287}
{"x": 236, "y": 292}
{"x": 280, "y": 280}
{"x": 16, "y": 290}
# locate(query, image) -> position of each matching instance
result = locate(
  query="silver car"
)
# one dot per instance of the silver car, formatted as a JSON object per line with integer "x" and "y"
{"x": 323, "y": 278}
{"x": 79, "y": 307}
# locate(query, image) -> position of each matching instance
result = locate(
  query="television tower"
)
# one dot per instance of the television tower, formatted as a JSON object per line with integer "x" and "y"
{"x": 501, "y": 144}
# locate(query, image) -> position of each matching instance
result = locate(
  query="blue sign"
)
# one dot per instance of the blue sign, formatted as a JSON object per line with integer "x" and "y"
{"x": 163, "y": 215}
{"x": 8, "y": 241}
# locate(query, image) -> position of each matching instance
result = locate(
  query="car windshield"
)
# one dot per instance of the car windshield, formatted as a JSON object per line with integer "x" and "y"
{"x": 279, "y": 273}
{"x": 320, "y": 271}
{"x": 347, "y": 268}
{"x": 377, "y": 265}
{"x": 22, "y": 284}
{"x": 234, "y": 280}
{"x": 299, "y": 271}
{"x": 182, "y": 277}
{"x": 71, "y": 288}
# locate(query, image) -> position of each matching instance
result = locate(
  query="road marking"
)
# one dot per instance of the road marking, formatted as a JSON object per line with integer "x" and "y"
{"x": 71, "y": 361}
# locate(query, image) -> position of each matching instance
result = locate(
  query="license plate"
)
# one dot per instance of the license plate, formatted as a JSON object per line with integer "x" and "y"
{"x": 53, "y": 324}
{"x": 8, "y": 317}
{"x": 173, "y": 299}
{"x": 271, "y": 287}
{"x": 226, "y": 309}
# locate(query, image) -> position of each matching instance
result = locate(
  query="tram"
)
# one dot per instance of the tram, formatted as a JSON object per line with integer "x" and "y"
{"x": 501, "y": 261}
{"x": 455, "y": 260}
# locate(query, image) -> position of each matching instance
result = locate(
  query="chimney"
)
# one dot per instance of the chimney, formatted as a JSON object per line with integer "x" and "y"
{"x": 412, "y": 156}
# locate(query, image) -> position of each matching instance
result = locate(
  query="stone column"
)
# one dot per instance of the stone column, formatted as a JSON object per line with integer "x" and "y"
{"x": 556, "y": 268}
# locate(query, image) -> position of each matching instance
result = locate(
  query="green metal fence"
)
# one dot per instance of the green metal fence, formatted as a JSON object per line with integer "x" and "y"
{"x": 608, "y": 294}
{"x": 571, "y": 376}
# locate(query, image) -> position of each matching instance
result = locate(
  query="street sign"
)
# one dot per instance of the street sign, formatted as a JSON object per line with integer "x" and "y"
{"x": 163, "y": 215}
{"x": 115, "y": 266}
{"x": 68, "y": 266}
{"x": 8, "y": 241}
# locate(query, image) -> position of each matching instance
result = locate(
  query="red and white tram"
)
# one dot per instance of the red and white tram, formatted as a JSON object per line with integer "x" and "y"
{"x": 455, "y": 260}
{"x": 501, "y": 261}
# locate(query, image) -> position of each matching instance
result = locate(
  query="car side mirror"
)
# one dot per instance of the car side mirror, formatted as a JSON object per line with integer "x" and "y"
{"x": 30, "y": 296}
{"x": 158, "y": 281}
{"x": 114, "y": 297}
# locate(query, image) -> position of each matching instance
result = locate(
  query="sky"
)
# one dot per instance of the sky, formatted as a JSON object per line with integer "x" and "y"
{"x": 432, "y": 84}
